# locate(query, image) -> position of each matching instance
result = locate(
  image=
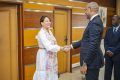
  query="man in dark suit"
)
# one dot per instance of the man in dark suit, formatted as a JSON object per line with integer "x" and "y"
{"x": 91, "y": 56}
{"x": 112, "y": 50}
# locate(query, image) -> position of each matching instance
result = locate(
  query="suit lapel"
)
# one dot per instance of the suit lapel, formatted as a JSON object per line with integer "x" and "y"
{"x": 92, "y": 20}
{"x": 90, "y": 23}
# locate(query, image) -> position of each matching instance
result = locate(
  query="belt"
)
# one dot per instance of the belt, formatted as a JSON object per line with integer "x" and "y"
{"x": 41, "y": 48}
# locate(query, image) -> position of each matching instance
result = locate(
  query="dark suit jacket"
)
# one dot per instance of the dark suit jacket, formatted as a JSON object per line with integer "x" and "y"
{"x": 90, "y": 51}
{"x": 112, "y": 43}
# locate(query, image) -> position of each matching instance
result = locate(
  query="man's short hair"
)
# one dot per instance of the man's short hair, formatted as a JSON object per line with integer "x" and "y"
{"x": 118, "y": 17}
{"x": 93, "y": 5}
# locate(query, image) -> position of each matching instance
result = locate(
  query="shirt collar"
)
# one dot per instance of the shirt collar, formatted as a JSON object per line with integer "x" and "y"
{"x": 93, "y": 17}
{"x": 117, "y": 27}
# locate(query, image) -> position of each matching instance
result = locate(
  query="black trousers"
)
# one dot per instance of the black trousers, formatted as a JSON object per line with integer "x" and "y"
{"x": 109, "y": 65}
{"x": 92, "y": 74}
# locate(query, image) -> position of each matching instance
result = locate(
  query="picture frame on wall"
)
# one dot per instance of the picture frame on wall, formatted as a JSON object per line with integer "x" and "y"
{"x": 103, "y": 15}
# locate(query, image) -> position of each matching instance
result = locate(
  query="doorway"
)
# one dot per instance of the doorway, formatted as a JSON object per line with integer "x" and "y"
{"x": 10, "y": 40}
{"x": 62, "y": 32}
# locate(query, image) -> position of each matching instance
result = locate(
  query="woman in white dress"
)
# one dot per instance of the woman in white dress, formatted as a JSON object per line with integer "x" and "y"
{"x": 46, "y": 60}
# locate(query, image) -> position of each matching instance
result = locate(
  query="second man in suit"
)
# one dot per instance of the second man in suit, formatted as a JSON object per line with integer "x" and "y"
{"x": 112, "y": 49}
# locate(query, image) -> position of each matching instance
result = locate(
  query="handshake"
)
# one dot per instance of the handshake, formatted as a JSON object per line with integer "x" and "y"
{"x": 66, "y": 48}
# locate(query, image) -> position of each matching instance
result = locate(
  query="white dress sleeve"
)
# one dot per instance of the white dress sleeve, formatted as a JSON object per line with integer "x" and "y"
{"x": 47, "y": 44}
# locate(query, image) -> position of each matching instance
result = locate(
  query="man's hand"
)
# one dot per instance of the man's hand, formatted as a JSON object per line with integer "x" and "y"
{"x": 83, "y": 69}
{"x": 109, "y": 53}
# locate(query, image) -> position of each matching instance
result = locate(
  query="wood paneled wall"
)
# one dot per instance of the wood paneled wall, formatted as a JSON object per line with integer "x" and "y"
{"x": 79, "y": 20}
{"x": 62, "y": 2}
{"x": 118, "y": 7}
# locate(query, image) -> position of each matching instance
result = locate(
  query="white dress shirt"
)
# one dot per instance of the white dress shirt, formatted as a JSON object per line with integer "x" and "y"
{"x": 93, "y": 17}
{"x": 116, "y": 28}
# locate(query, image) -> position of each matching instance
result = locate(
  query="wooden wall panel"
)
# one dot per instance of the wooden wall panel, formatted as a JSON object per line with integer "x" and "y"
{"x": 66, "y": 2}
{"x": 29, "y": 71}
{"x": 37, "y": 7}
{"x": 77, "y": 33}
{"x": 29, "y": 37}
{"x": 30, "y": 55}
{"x": 76, "y": 10}
{"x": 118, "y": 7}
{"x": 32, "y": 19}
{"x": 75, "y": 59}
{"x": 79, "y": 20}
{"x": 75, "y": 51}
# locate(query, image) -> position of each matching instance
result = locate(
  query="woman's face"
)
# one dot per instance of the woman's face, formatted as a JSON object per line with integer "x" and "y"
{"x": 46, "y": 23}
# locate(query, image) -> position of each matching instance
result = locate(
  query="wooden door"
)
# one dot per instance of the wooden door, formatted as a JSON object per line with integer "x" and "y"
{"x": 61, "y": 33}
{"x": 8, "y": 43}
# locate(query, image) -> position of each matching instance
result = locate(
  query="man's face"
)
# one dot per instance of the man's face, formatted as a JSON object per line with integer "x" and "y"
{"x": 87, "y": 12}
{"x": 115, "y": 21}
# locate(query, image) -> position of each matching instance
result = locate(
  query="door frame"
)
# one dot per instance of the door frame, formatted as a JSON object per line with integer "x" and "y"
{"x": 69, "y": 65}
{"x": 20, "y": 35}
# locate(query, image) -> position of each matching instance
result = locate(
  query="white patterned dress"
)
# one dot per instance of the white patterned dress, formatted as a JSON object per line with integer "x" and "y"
{"x": 46, "y": 60}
